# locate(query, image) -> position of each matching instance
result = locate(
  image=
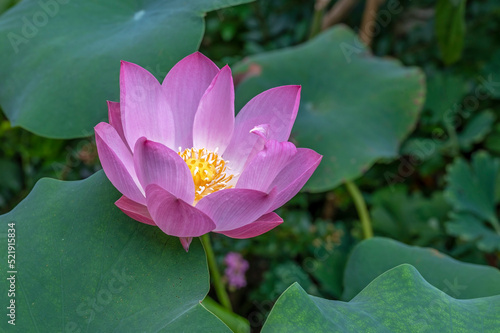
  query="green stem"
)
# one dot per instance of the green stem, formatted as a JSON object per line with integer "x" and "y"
{"x": 360, "y": 204}
{"x": 235, "y": 322}
{"x": 220, "y": 290}
{"x": 316, "y": 22}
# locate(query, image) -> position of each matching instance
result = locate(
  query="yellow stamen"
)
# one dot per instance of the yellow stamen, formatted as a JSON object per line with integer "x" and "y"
{"x": 208, "y": 170}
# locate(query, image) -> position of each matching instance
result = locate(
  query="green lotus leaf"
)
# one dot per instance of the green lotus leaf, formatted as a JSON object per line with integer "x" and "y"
{"x": 60, "y": 59}
{"x": 81, "y": 265}
{"x": 399, "y": 300}
{"x": 460, "y": 280}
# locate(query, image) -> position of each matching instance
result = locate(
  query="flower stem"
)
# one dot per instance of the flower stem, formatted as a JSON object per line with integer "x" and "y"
{"x": 360, "y": 204}
{"x": 220, "y": 290}
{"x": 235, "y": 322}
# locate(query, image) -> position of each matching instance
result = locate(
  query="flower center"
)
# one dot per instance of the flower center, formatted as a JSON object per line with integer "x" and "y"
{"x": 208, "y": 170}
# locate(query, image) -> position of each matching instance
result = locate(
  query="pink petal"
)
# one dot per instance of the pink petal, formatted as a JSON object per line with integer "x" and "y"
{"x": 186, "y": 241}
{"x": 144, "y": 108}
{"x": 117, "y": 162}
{"x": 263, "y": 224}
{"x": 160, "y": 165}
{"x": 234, "y": 208}
{"x": 174, "y": 216}
{"x": 115, "y": 118}
{"x": 266, "y": 165}
{"x": 214, "y": 120}
{"x": 134, "y": 210}
{"x": 184, "y": 86}
{"x": 276, "y": 107}
{"x": 294, "y": 175}
{"x": 262, "y": 131}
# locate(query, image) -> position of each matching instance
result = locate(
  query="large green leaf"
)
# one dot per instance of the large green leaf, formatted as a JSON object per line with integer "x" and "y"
{"x": 82, "y": 265}
{"x": 375, "y": 256}
{"x": 60, "y": 59}
{"x": 471, "y": 192}
{"x": 355, "y": 108}
{"x": 399, "y": 300}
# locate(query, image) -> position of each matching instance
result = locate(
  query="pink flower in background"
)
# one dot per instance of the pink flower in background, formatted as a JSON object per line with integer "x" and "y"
{"x": 235, "y": 270}
{"x": 183, "y": 161}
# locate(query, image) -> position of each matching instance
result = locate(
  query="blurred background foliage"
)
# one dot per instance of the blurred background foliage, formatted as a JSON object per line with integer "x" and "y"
{"x": 441, "y": 192}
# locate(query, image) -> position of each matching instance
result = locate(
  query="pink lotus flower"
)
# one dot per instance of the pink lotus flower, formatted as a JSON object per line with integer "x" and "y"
{"x": 183, "y": 161}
